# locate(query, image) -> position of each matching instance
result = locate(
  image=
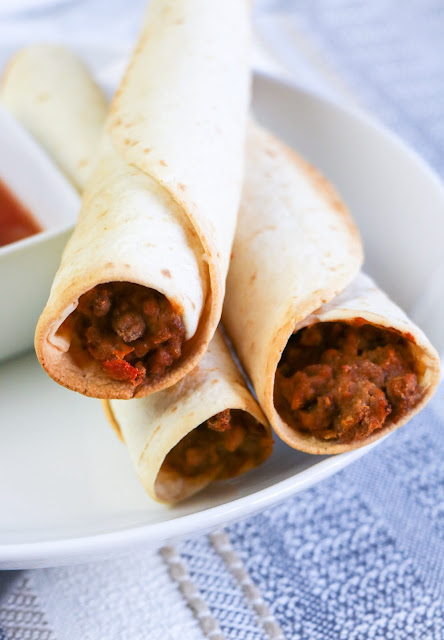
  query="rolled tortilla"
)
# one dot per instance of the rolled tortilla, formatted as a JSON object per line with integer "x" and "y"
{"x": 206, "y": 427}
{"x": 140, "y": 288}
{"x": 32, "y": 91}
{"x": 295, "y": 263}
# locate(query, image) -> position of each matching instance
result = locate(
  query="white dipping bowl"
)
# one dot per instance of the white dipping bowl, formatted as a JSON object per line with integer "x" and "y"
{"x": 27, "y": 267}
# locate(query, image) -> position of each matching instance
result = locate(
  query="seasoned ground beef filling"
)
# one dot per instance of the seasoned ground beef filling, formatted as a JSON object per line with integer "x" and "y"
{"x": 132, "y": 331}
{"x": 231, "y": 441}
{"x": 341, "y": 381}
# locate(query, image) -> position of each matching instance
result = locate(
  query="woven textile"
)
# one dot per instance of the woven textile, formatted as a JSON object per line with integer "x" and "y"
{"x": 389, "y": 52}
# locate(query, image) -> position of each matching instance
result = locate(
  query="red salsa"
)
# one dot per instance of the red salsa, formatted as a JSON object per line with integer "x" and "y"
{"x": 16, "y": 222}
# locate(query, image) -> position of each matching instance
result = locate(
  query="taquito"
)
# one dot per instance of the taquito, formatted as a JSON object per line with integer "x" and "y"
{"x": 52, "y": 94}
{"x": 335, "y": 364}
{"x": 140, "y": 288}
{"x": 206, "y": 427}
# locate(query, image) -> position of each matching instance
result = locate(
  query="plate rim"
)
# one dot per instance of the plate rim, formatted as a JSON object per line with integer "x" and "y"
{"x": 78, "y": 549}
{"x": 359, "y": 115}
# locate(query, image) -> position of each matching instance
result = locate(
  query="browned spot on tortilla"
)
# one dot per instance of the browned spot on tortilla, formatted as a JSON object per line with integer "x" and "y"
{"x": 127, "y": 265}
{"x": 109, "y": 265}
{"x": 174, "y": 409}
{"x": 271, "y": 227}
{"x": 215, "y": 381}
{"x": 83, "y": 162}
{"x": 253, "y": 277}
{"x": 405, "y": 334}
{"x": 178, "y": 22}
{"x": 117, "y": 122}
{"x": 358, "y": 321}
{"x": 166, "y": 273}
{"x": 156, "y": 430}
{"x": 116, "y": 95}
{"x": 103, "y": 214}
{"x": 163, "y": 163}
{"x": 146, "y": 150}
{"x": 231, "y": 255}
{"x": 43, "y": 97}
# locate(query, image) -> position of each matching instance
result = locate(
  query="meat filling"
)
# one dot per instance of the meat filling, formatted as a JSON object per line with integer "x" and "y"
{"x": 133, "y": 332}
{"x": 232, "y": 441}
{"x": 341, "y": 381}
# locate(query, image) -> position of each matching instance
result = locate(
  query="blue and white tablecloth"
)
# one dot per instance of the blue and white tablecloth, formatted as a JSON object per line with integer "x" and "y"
{"x": 361, "y": 555}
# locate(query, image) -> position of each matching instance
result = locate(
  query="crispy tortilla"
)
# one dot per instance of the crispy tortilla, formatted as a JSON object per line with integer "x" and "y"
{"x": 160, "y": 208}
{"x": 152, "y": 426}
{"x": 296, "y": 259}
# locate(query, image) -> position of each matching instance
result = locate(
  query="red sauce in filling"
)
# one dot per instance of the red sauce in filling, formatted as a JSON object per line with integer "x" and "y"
{"x": 232, "y": 442}
{"x": 341, "y": 381}
{"x": 16, "y": 222}
{"x": 132, "y": 331}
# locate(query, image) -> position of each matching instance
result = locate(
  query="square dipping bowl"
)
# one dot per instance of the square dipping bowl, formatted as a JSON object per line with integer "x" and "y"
{"x": 28, "y": 266}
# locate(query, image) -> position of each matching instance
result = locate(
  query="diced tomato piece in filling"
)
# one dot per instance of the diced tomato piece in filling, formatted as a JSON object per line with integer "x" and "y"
{"x": 121, "y": 370}
{"x": 132, "y": 331}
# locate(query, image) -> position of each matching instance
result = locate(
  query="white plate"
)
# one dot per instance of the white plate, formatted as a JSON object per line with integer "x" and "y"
{"x": 67, "y": 490}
